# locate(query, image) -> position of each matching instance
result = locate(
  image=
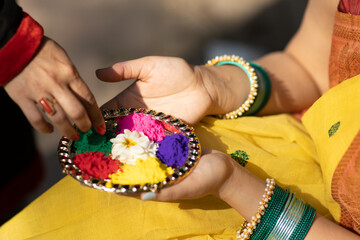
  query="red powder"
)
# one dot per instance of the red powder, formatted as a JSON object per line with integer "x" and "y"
{"x": 95, "y": 164}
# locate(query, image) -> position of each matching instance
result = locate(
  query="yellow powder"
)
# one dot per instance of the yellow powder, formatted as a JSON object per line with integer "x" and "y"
{"x": 151, "y": 170}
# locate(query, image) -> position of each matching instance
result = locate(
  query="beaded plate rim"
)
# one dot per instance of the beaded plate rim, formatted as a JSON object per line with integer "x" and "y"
{"x": 194, "y": 153}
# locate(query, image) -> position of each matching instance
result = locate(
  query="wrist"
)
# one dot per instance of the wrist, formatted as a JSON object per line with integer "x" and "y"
{"x": 227, "y": 86}
{"x": 242, "y": 191}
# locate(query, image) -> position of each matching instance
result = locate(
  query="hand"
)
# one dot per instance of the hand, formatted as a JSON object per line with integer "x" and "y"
{"x": 172, "y": 86}
{"x": 51, "y": 75}
{"x": 208, "y": 178}
{"x": 169, "y": 85}
{"x": 219, "y": 175}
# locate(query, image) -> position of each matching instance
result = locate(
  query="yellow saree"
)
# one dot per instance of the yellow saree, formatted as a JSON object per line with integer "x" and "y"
{"x": 318, "y": 159}
{"x": 312, "y": 158}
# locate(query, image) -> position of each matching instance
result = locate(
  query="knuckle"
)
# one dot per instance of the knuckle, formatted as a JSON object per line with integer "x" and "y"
{"x": 167, "y": 195}
{"x": 81, "y": 120}
{"x": 84, "y": 127}
{"x": 78, "y": 115}
{"x": 36, "y": 120}
{"x": 70, "y": 71}
{"x": 59, "y": 119}
{"x": 128, "y": 70}
{"x": 39, "y": 123}
{"x": 90, "y": 98}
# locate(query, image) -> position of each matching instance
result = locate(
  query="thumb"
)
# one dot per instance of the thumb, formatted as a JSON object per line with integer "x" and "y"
{"x": 121, "y": 71}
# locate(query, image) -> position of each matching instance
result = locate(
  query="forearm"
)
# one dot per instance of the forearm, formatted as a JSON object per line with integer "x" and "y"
{"x": 292, "y": 88}
{"x": 243, "y": 191}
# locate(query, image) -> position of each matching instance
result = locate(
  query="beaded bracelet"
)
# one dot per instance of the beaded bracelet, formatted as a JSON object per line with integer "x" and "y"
{"x": 271, "y": 214}
{"x": 248, "y": 228}
{"x": 264, "y": 89}
{"x": 250, "y": 72}
{"x": 285, "y": 218}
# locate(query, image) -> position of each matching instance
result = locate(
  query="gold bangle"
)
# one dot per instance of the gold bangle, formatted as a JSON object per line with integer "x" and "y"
{"x": 248, "y": 228}
{"x": 250, "y": 72}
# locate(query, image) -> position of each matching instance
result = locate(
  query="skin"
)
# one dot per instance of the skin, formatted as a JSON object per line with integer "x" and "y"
{"x": 51, "y": 74}
{"x": 298, "y": 76}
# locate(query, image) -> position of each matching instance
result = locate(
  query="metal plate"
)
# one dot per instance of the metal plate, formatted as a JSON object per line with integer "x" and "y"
{"x": 177, "y": 126}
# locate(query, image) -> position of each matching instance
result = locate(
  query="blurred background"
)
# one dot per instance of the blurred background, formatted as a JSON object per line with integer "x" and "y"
{"x": 99, "y": 33}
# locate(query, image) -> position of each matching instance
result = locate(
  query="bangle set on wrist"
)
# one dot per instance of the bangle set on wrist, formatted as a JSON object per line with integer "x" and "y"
{"x": 285, "y": 217}
{"x": 260, "y": 85}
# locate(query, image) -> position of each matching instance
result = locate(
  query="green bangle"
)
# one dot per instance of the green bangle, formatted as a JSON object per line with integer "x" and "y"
{"x": 264, "y": 90}
{"x": 289, "y": 220}
{"x": 271, "y": 214}
{"x": 305, "y": 223}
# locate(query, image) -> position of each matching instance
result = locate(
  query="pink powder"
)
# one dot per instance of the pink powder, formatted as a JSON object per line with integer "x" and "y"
{"x": 152, "y": 128}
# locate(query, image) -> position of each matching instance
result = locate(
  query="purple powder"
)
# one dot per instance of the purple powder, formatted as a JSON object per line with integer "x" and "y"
{"x": 173, "y": 150}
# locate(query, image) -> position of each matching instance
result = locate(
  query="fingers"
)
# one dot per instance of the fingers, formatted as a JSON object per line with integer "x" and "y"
{"x": 62, "y": 123}
{"x": 35, "y": 117}
{"x": 57, "y": 117}
{"x": 186, "y": 189}
{"x": 51, "y": 75}
{"x": 132, "y": 69}
{"x": 74, "y": 105}
{"x": 209, "y": 177}
{"x": 76, "y": 102}
{"x": 90, "y": 110}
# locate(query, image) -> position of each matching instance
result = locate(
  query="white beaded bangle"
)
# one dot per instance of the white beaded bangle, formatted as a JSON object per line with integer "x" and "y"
{"x": 248, "y": 228}
{"x": 250, "y": 72}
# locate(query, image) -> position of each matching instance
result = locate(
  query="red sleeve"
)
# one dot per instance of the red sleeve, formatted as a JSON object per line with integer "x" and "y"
{"x": 19, "y": 50}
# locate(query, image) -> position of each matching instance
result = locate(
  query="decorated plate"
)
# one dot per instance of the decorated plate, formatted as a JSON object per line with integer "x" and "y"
{"x": 142, "y": 150}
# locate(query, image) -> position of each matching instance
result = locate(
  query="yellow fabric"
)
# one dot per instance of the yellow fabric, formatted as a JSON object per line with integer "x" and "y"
{"x": 297, "y": 156}
{"x": 72, "y": 212}
{"x": 339, "y": 107}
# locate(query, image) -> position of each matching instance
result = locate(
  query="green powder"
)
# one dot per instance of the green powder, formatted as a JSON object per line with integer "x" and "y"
{"x": 92, "y": 141}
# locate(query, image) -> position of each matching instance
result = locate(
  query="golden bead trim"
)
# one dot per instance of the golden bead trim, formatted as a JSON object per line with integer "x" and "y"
{"x": 250, "y": 72}
{"x": 248, "y": 228}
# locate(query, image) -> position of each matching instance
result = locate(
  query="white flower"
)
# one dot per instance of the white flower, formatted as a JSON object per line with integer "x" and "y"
{"x": 129, "y": 146}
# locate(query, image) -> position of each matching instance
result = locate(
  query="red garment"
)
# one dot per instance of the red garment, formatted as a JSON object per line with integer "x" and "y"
{"x": 349, "y": 6}
{"x": 20, "y": 49}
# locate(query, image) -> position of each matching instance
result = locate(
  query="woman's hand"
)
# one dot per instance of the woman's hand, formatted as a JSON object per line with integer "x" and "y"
{"x": 207, "y": 178}
{"x": 219, "y": 175}
{"x": 51, "y": 75}
{"x": 172, "y": 86}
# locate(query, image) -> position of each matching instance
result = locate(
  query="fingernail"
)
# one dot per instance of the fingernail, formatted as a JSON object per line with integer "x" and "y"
{"x": 148, "y": 196}
{"x": 77, "y": 137}
{"x": 101, "y": 129}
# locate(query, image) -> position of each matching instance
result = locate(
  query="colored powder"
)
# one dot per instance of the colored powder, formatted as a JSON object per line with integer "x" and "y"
{"x": 150, "y": 170}
{"x": 173, "y": 150}
{"x": 95, "y": 164}
{"x": 151, "y": 127}
{"x": 92, "y": 141}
